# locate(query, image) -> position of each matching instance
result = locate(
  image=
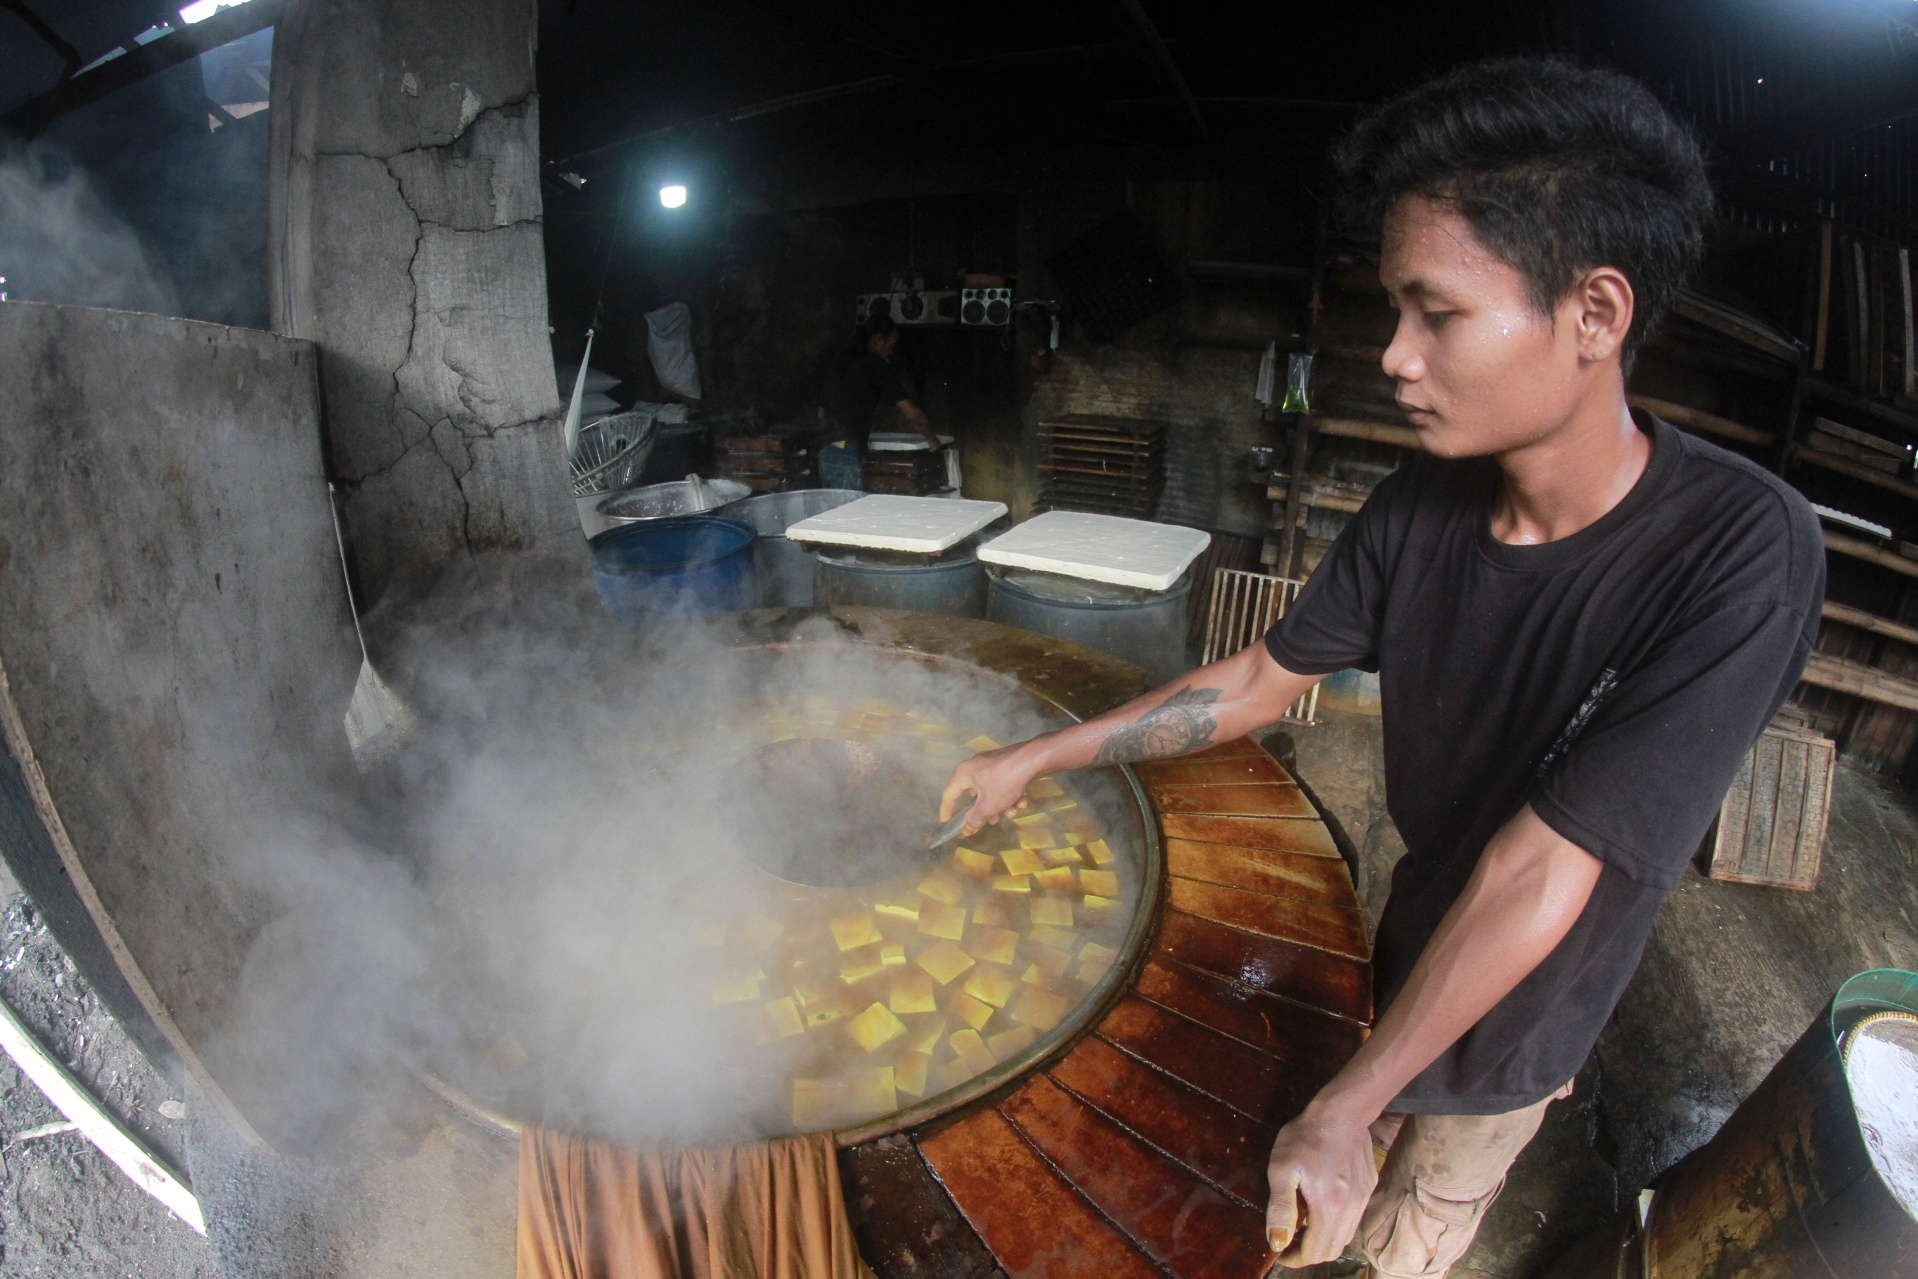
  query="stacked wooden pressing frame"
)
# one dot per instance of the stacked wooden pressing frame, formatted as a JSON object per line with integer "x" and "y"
{"x": 1108, "y": 465}
{"x": 778, "y": 460}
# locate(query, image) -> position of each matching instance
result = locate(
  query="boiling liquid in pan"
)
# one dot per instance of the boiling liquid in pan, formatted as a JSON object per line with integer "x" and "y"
{"x": 875, "y": 996}
{"x": 832, "y": 969}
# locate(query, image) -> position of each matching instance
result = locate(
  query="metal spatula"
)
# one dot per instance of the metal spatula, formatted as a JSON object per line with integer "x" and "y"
{"x": 950, "y": 831}
{"x": 377, "y": 721}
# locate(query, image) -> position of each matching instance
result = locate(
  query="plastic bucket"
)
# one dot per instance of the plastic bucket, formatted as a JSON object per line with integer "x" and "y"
{"x": 1146, "y": 628}
{"x": 658, "y": 570}
{"x": 785, "y": 568}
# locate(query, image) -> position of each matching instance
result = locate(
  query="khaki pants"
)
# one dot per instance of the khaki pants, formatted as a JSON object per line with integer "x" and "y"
{"x": 1441, "y": 1172}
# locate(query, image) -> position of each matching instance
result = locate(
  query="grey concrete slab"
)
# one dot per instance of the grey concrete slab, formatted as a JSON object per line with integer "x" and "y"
{"x": 175, "y": 644}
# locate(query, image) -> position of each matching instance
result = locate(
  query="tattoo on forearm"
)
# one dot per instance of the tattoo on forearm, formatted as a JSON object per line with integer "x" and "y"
{"x": 1182, "y": 723}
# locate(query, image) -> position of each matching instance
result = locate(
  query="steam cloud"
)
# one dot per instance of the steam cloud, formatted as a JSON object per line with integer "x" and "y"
{"x": 540, "y": 860}
{"x": 60, "y": 242}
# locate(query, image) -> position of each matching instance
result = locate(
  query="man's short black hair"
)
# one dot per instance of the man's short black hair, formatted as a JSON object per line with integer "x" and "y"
{"x": 879, "y": 324}
{"x": 1558, "y": 168}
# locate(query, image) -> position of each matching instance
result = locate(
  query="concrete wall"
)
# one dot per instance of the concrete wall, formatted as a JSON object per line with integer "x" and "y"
{"x": 405, "y": 240}
{"x": 175, "y": 647}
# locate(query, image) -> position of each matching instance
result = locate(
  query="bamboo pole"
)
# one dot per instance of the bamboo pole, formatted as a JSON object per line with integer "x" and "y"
{"x": 95, "y": 1122}
{"x": 1859, "y": 680}
{"x": 1849, "y": 616}
{"x": 1859, "y": 549}
{"x": 1858, "y": 471}
{"x": 1699, "y": 420}
{"x": 1353, "y": 428}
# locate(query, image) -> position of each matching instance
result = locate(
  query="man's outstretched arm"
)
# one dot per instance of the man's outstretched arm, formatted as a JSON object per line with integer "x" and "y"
{"x": 1215, "y": 703}
{"x": 1527, "y": 891}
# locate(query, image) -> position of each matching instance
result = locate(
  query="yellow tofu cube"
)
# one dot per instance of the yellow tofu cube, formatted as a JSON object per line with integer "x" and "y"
{"x": 1053, "y": 912}
{"x": 782, "y": 1018}
{"x": 969, "y": 861}
{"x": 1102, "y": 883}
{"x": 969, "y": 1010}
{"x": 870, "y": 1092}
{"x": 1021, "y": 861}
{"x": 1039, "y": 1008}
{"x": 758, "y": 931}
{"x": 1030, "y": 819}
{"x": 1066, "y": 855}
{"x": 849, "y": 932}
{"x": 1033, "y": 977}
{"x": 909, "y": 1073}
{"x": 1051, "y": 965}
{"x": 1057, "y": 879}
{"x": 945, "y": 961}
{"x": 1012, "y": 883}
{"x": 912, "y": 992}
{"x": 1034, "y": 838}
{"x": 993, "y": 911}
{"x": 1098, "y": 909}
{"x": 1044, "y": 788}
{"x": 1008, "y": 1044}
{"x": 737, "y": 988}
{"x": 892, "y": 955}
{"x": 1054, "y": 938}
{"x": 937, "y": 919}
{"x": 899, "y": 910}
{"x": 875, "y": 1027}
{"x": 991, "y": 985}
{"x": 815, "y": 1103}
{"x": 973, "y": 1051}
{"x": 952, "y": 1074}
{"x": 943, "y": 887}
{"x": 982, "y": 743}
{"x": 1094, "y": 960}
{"x": 993, "y": 945}
{"x": 924, "y": 1033}
{"x": 860, "y": 965}
{"x": 1100, "y": 854}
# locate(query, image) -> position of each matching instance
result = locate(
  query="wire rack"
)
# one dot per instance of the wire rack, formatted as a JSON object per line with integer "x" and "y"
{"x": 1244, "y": 607}
{"x": 611, "y": 452}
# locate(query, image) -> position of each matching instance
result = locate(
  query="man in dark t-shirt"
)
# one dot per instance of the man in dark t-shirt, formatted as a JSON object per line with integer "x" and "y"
{"x": 1581, "y": 620}
{"x": 867, "y": 381}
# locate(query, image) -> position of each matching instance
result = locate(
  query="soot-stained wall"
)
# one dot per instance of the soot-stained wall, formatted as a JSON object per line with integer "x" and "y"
{"x": 405, "y": 240}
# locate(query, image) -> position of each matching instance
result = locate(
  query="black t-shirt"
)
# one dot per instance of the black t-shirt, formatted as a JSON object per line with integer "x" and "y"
{"x": 1614, "y": 679}
{"x": 862, "y": 386}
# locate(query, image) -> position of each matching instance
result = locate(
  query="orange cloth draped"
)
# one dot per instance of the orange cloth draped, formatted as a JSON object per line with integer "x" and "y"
{"x": 769, "y": 1210}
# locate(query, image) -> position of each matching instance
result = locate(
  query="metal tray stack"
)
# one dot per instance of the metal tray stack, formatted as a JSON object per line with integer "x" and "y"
{"x": 1109, "y": 465}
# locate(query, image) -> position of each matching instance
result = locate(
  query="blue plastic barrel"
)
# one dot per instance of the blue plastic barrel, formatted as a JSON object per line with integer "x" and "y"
{"x": 687, "y": 566}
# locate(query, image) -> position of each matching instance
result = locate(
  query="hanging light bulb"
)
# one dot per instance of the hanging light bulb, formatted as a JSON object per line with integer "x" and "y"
{"x": 673, "y": 196}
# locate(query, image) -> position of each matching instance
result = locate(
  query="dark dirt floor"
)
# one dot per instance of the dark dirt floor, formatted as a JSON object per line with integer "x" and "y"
{"x": 65, "y": 1210}
{"x": 1732, "y": 976}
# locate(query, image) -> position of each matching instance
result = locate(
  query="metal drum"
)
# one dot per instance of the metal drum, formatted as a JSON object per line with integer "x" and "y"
{"x": 1789, "y": 1187}
{"x": 784, "y": 567}
{"x": 951, "y": 582}
{"x": 1146, "y": 628}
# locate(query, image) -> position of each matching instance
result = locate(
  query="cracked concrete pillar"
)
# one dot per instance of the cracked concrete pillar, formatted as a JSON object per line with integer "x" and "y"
{"x": 405, "y": 240}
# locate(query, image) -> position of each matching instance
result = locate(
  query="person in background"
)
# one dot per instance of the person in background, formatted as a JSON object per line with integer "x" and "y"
{"x": 867, "y": 381}
{"x": 1581, "y": 619}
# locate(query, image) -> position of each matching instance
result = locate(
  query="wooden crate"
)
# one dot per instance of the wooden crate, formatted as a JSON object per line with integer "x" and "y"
{"x": 1771, "y": 828}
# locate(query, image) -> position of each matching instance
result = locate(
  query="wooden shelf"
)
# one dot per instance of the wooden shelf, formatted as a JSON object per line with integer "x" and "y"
{"x": 1889, "y": 414}
{"x": 1860, "y": 549}
{"x": 1357, "y": 428}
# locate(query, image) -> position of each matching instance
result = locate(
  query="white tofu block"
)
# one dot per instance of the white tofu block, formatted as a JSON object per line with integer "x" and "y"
{"x": 888, "y": 522}
{"x": 1099, "y": 548}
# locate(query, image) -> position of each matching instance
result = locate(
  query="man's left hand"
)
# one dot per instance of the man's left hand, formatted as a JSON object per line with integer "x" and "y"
{"x": 1325, "y": 1160}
